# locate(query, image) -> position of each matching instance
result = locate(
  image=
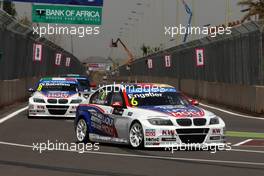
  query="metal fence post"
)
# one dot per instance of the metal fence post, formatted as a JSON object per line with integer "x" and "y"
{"x": 261, "y": 65}
{"x": 1, "y": 55}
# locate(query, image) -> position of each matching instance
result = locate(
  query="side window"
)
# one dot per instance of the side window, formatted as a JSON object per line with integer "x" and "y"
{"x": 100, "y": 97}
{"x": 116, "y": 96}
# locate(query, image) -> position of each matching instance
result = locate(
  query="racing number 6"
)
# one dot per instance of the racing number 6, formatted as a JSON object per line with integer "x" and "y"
{"x": 134, "y": 102}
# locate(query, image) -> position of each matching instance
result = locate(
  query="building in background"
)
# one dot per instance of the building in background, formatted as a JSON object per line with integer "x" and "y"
{"x": 98, "y": 64}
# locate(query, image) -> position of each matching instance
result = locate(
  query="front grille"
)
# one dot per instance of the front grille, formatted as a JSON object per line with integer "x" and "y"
{"x": 192, "y": 139}
{"x": 52, "y": 101}
{"x": 63, "y": 101}
{"x": 184, "y": 122}
{"x": 192, "y": 135}
{"x": 57, "y": 110}
{"x": 199, "y": 122}
{"x": 192, "y": 131}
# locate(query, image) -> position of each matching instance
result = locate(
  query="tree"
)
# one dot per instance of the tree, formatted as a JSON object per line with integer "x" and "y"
{"x": 144, "y": 50}
{"x": 10, "y": 8}
{"x": 147, "y": 50}
{"x": 253, "y": 8}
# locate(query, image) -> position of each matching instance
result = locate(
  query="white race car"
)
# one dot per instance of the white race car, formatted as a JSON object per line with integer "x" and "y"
{"x": 146, "y": 115}
{"x": 55, "y": 97}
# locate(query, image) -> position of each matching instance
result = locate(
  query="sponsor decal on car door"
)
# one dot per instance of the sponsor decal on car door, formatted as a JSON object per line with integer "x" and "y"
{"x": 101, "y": 123}
{"x": 122, "y": 126}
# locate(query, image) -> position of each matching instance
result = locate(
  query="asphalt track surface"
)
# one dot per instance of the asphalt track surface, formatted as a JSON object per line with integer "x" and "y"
{"x": 17, "y": 157}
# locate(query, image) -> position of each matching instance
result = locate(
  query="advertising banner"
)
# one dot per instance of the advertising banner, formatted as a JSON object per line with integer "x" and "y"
{"x": 68, "y": 62}
{"x": 150, "y": 63}
{"x": 167, "y": 59}
{"x": 66, "y": 14}
{"x": 97, "y": 67}
{"x": 37, "y": 52}
{"x": 58, "y": 57}
{"x": 199, "y": 57}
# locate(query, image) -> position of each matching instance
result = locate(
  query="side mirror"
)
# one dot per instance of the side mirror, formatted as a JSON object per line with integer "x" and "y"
{"x": 31, "y": 90}
{"x": 195, "y": 102}
{"x": 86, "y": 96}
{"x": 117, "y": 105}
{"x": 93, "y": 85}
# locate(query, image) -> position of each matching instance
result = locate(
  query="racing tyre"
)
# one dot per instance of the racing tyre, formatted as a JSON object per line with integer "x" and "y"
{"x": 136, "y": 136}
{"x": 82, "y": 133}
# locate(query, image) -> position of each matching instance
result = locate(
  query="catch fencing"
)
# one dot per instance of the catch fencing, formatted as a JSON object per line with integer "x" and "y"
{"x": 16, "y": 53}
{"x": 232, "y": 59}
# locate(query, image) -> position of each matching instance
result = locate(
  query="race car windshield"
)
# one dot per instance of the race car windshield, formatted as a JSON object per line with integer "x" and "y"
{"x": 66, "y": 87}
{"x": 157, "y": 99}
{"x": 84, "y": 84}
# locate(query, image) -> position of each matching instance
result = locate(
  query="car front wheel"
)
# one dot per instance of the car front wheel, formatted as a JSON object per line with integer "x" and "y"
{"x": 82, "y": 131}
{"x": 136, "y": 135}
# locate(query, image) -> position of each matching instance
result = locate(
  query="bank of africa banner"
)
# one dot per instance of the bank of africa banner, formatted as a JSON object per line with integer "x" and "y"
{"x": 69, "y": 2}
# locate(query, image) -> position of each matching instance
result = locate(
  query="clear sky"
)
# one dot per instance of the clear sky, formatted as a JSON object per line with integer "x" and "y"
{"x": 146, "y": 26}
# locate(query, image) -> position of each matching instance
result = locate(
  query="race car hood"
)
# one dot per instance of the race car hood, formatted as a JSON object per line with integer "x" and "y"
{"x": 58, "y": 94}
{"x": 178, "y": 111}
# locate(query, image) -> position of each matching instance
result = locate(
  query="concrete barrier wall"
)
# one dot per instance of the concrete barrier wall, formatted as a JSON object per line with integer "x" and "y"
{"x": 13, "y": 91}
{"x": 249, "y": 98}
{"x": 237, "y": 96}
{"x": 244, "y": 97}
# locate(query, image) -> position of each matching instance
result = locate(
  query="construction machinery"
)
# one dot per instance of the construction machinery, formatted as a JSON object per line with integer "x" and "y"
{"x": 114, "y": 44}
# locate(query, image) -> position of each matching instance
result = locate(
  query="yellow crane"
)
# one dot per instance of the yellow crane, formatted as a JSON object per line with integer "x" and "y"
{"x": 114, "y": 44}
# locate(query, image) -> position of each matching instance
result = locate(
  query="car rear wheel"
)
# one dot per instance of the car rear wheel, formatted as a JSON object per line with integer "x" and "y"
{"x": 82, "y": 133}
{"x": 136, "y": 136}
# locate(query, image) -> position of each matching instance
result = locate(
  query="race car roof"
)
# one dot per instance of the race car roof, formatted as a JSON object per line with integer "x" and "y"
{"x": 144, "y": 87}
{"x": 150, "y": 85}
{"x": 148, "y": 88}
{"x": 59, "y": 80}
{"x": 76, "y": 76}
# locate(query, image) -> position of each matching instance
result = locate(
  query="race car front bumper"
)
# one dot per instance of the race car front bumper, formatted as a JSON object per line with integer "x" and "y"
{"x": 184, "y": 137}
{"x": 49, "y": 110}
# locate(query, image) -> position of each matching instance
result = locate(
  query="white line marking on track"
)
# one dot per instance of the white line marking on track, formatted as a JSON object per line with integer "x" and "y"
{"x": 243, "y": 142}
{"x": 151, "y": 156}
{"x": 247, "y": 151}
{"x": 232, "y": 113}
{"x": 2, "y": 120}
{"x": 17, "y": 145}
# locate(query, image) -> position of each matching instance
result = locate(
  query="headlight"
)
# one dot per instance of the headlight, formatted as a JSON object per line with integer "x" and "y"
{"x": 76, "y": 101}
{"x": 214, "y": 121}
{"x": 162, "y": 122}
{"x": 38, "y": 100}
